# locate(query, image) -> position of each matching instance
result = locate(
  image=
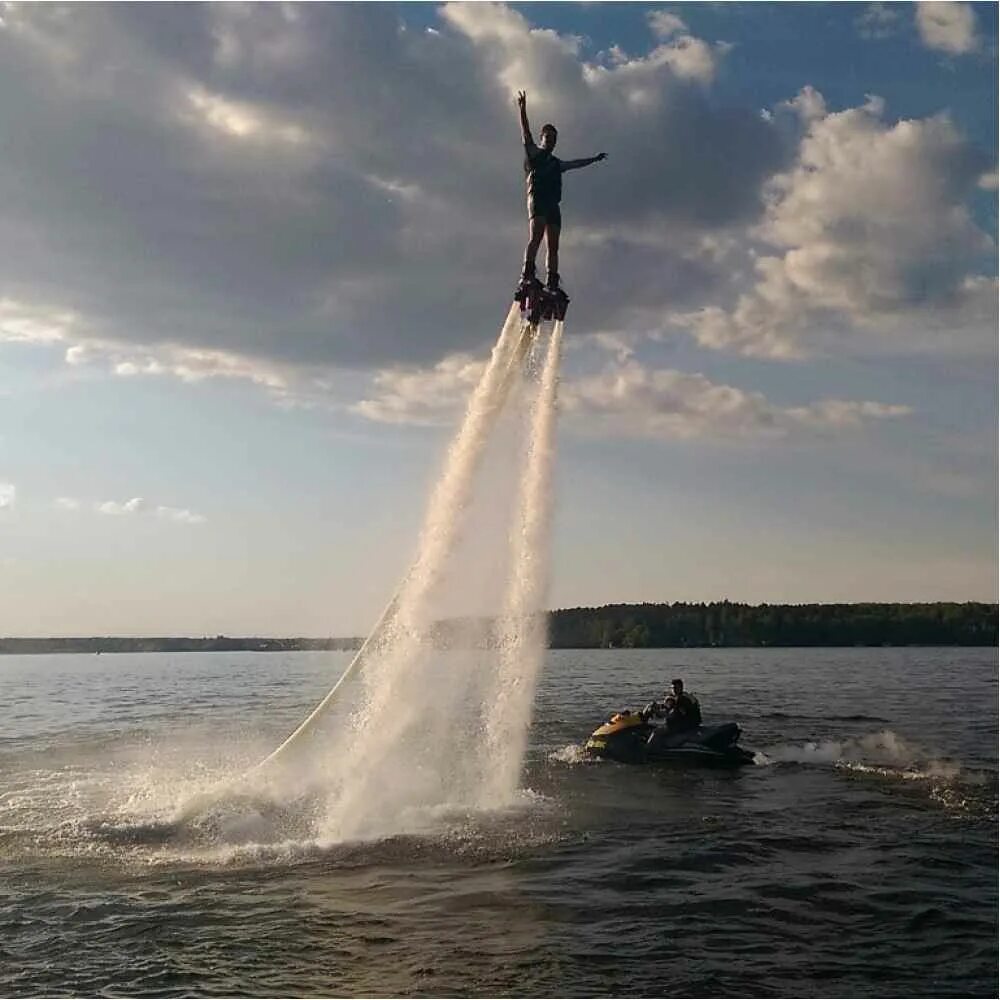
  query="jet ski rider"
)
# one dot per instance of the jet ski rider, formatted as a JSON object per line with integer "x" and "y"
{"x": 543, "y": 173}
{"x": 680, "y": 709}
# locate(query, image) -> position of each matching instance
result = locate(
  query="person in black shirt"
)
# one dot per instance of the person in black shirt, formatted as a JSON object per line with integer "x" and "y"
{"x": 680, "y": 710}
{"x": 543, "y": 173}
{"x": 686, "y": 713}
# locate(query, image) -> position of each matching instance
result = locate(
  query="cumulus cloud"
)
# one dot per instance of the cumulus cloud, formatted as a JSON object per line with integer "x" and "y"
{"x": 32, "y": 323}
{"x": 189, "y": 365}
{"x": 948, "y": 27}
{"x": 209, "y": 180}
{"x": 664, "y": 24}
{"x": 134, "y": 506}
{"x": 239, "y": 120}
{"x": 626, "y": 399}
{"x": 878, "y": 21}
{"x": 38, "y": 323}
{"x": 8, "y": 493}
{"x": 141, "y": 506}
{"x": 180, "y": 514}
{"x": 200, "y": 193}
{"x": 66, "y": 503}
{"x": 422, "y": 397}
{"x": 868, "y": 229}
{"x": 630, "y": 399}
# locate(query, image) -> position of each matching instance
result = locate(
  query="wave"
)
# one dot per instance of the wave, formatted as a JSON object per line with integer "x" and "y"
{"x": 572, "y": 753}
{"x": 884, "y": 744}
{"x": 887, "y": 756}
{"x": 822, "y": 718}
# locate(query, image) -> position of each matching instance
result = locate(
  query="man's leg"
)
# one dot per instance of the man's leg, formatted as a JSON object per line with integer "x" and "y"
{"x": 536, "y": 230}
{"x": 552, "y": 230}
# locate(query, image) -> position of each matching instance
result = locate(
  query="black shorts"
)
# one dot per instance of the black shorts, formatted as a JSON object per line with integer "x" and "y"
{"x": 550, "y": 213}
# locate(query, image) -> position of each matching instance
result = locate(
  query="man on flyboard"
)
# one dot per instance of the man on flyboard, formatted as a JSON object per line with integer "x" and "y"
{"x": 543, "y": 174}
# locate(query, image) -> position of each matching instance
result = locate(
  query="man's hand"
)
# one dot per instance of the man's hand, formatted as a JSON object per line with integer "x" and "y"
{"x": 522, "y": 108}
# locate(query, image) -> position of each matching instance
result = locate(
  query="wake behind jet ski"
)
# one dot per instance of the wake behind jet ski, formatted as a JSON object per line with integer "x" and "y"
{"x": 632, "y": 738}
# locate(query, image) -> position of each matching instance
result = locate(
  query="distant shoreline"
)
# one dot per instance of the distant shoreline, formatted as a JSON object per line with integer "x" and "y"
{"x": 721, "y": 624}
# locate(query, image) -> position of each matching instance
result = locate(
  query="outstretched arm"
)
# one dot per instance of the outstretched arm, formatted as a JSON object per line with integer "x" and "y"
{"x": 522, "y": 107}
{"x": 576, "y": 164}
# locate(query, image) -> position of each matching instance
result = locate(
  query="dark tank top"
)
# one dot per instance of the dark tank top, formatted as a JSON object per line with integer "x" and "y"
{"x": 544, "y": 176}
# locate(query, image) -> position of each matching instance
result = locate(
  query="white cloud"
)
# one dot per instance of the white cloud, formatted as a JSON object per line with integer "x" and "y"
{"x": 8, "y": 493}
{"x": 225, "y": 255}
{"x": 421, "y": 396}
{"x": 948, "y": 27}
{"x": 134, "y": 506}
{"x": 66, "y": 503}
{"x": 690, "y": 58}
{"x": 867, "y": 230}
{"x": 236, "y": 154}
{"x": 241, "y": 120}
{"x": 194, "y": 365}
{"x": 626, "y": 399}
{"x": 632, "y": 400}
{"x": 664, "y": 24}
{"x": 181, "y": 514}
{"x": 39, "y": 323}
{"x": 22, "y": 322}
{"x": 809, "y": 104}
{"x": 878, "y": 21}
{"x": 140, "y": 506}
{"x": 185, "y": 363}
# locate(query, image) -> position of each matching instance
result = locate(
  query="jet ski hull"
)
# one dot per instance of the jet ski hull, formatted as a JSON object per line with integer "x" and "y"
{"x": 629, "y": 739}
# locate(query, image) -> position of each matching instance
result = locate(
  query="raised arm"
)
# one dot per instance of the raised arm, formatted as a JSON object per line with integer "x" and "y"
{"x": 586, "y": 162}
{"x": 522, "y": 107}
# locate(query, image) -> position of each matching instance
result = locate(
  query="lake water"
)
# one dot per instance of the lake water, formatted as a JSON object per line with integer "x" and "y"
{"x": 857, "y": 858}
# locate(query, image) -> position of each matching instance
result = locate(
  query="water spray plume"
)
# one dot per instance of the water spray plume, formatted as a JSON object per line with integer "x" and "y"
{"x": 416, "y": 750}
{"x": 439, "y": 529}
{"x": 422, "y": 735}
{"x": 522, "y": 636}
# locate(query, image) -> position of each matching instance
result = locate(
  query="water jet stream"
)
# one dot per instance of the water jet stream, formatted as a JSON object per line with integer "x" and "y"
{"x": 401, "y": 754}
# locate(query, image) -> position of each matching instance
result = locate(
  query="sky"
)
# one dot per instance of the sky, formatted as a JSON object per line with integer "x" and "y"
{"x": 255, "y": 256}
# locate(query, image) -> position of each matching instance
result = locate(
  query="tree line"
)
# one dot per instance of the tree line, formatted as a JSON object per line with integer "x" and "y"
{"x": 724, "y": 623}
{"x": 171, "y": 644}
{"x": 631, "y": 626}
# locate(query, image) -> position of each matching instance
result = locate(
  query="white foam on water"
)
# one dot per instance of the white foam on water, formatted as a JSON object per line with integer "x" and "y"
{"x": 572, "y": 753}
{"x": 884, "y": 754}
{"x": 884, "y": 746}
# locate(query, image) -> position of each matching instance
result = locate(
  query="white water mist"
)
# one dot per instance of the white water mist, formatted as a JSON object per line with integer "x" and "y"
{"x": 403, "y": 613}
{"x": 414, "y": 748}
{"x": 522, "y": 628}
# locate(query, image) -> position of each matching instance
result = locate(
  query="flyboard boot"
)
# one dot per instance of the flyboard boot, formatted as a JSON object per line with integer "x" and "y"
{"x": 540, "y": 302}
{"x": 528, "y": 294}
{"x": 555, "y": 300}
